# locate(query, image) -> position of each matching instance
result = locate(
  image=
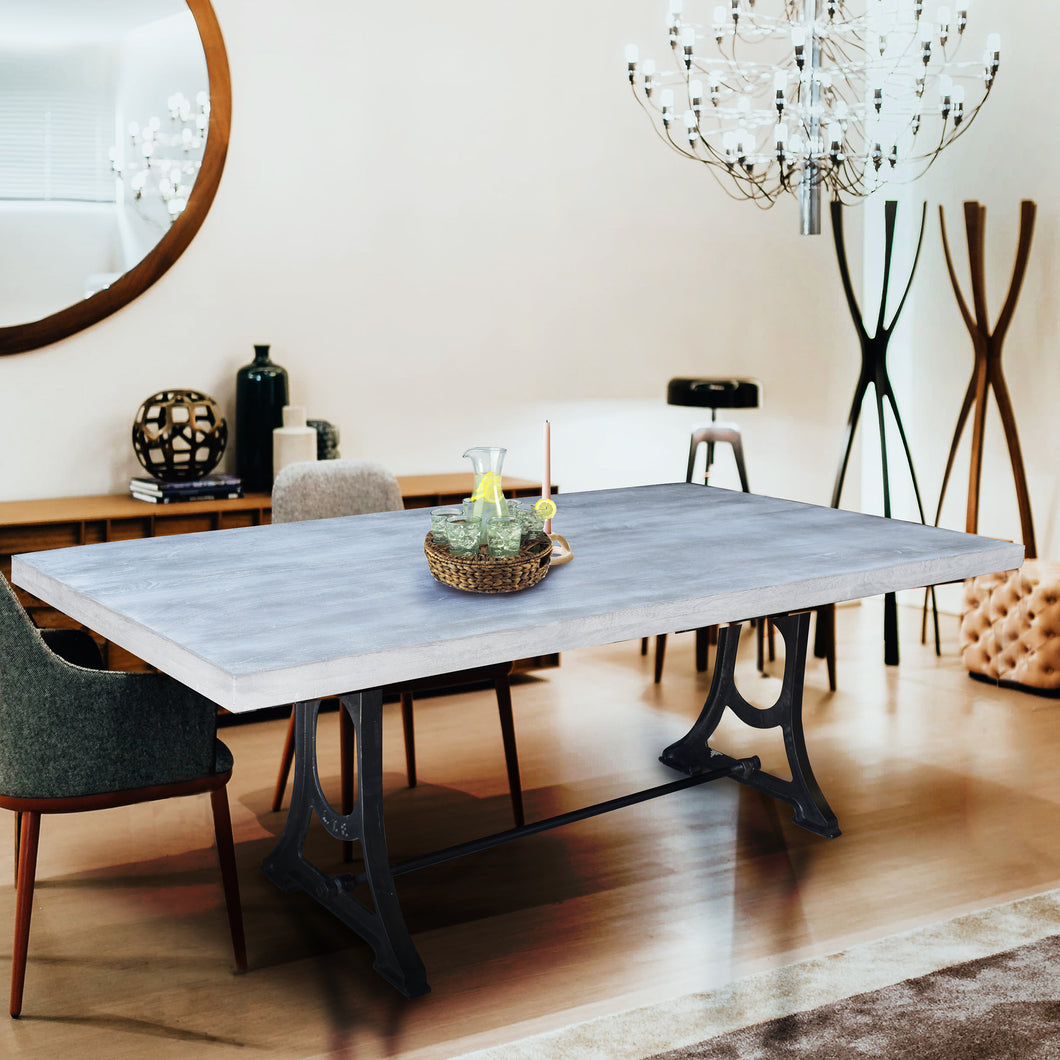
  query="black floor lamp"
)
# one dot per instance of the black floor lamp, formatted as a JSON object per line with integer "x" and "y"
{"x": 874, "y": 373}
{"x": 987, "y": 375}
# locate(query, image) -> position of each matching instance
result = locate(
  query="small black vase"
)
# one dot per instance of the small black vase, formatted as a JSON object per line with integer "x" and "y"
{"x": 261, "y": 393}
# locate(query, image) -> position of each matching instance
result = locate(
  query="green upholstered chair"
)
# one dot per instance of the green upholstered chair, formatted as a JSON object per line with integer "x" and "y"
{"x": 75, "y": 737}
{"x": 327, "y": 489}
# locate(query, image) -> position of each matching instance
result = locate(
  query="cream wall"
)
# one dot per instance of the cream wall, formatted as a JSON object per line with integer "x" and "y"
{"x": 451, "y": 223}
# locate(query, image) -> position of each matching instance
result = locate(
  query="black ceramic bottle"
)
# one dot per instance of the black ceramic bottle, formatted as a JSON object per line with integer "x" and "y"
{"x": 261, "y": 393}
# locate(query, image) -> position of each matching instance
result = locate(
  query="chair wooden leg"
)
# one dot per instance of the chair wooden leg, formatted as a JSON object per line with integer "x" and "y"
{"x": 409, "y": 729}
{"x": 285, "y": 766}
{"x": 18, "y": 836}
{"x": 27, "y": 873}
{"x": 226, "y": 855}
{"x": 346, "y": 767}
{"x": 644, "y": 645}
{"x": 660, "y": 656}
{"x": 511, "y": 755}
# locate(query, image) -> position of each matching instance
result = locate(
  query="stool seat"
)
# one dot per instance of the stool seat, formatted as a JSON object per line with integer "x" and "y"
{"x": 714, "y": 393}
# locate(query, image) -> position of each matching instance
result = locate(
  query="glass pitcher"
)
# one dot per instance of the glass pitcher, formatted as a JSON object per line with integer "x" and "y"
{"x": 487, "y": 498}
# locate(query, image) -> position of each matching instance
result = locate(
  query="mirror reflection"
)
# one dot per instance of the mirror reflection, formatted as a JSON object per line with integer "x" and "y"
{"x": 104, "y": 112}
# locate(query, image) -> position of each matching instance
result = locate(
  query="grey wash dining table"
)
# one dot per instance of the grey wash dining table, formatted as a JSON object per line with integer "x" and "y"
{"x": 298, "y": 612}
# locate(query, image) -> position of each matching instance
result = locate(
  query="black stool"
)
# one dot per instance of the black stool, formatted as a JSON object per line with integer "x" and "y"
{"x": 725, "y": 394}
{"x": 715, "y": 394}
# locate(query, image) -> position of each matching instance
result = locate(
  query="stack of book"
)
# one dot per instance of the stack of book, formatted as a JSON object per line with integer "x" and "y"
{"x": 210, "y": 488}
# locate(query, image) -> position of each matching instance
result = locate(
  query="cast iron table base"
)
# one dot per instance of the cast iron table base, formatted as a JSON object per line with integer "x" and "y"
{"x": 383, "y": 927}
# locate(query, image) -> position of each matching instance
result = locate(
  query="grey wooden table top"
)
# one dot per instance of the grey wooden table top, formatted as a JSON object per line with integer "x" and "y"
{"x": 258, "y": 616}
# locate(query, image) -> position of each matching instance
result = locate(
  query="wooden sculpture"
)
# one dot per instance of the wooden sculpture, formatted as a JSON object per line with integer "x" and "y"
{"x": 874, "y": 374}
{"x": 987, "y": 374}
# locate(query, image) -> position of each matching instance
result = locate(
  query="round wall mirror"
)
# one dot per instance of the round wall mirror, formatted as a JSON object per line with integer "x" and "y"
{"x": 114, "y": 124}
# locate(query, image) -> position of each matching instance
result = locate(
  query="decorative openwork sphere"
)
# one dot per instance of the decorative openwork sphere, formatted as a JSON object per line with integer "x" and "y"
{"x": 179, "y": 435}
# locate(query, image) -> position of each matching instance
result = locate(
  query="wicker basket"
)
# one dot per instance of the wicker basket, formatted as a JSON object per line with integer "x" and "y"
{"x": 490, "y": 574}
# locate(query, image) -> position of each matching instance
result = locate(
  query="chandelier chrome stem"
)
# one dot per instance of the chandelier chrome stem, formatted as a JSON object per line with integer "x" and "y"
{"x": 809, "y": 180}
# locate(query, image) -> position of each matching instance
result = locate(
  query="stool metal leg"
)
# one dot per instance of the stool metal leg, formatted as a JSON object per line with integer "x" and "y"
{"x": 711, "y": 436}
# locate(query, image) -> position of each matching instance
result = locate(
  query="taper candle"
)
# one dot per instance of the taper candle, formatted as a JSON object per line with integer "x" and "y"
{"x": 546, "y": 477}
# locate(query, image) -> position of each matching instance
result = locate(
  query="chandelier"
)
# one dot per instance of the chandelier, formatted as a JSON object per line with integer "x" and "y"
{"x": 162, "y": 163}
{"x": 796, "y": 95}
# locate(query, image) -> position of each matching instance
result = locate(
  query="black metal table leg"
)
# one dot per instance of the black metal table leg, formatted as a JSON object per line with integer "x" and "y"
{"x": 396, "y": 958}
{"x": 383, "y": 926}
{"x": 693, "y": 754}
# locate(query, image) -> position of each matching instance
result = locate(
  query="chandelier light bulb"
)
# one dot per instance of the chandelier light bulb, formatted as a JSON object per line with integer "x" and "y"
{"x": 666, "y": 102}
{"x": 647, "y": 70}
{"x": 958, "y": 104}
{"x": 688, "y": 42}
{"x": 927, "y": 34}
{"x": 720, "y": 20}
{"x": 842, "y": 78}
{"x": 944, "y": 25}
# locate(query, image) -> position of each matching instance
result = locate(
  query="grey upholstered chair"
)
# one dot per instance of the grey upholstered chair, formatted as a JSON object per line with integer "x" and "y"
{"x": 74, "y": 737}
{"x": 329, "y": 488}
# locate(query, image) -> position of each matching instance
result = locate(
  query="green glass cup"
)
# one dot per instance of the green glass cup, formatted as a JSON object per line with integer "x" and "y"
{"x": 439, "y": 522}
{"x": 531, "y": 522}
{"x": 462, "y": 533}
{"x": 503, "y": 535}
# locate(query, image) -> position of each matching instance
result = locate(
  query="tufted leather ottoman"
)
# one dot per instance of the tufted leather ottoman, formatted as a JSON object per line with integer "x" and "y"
{"x": 1010, "y": 627}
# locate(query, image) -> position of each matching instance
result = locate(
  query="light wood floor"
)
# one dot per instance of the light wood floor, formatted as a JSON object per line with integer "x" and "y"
{"x": 946, "y": 790}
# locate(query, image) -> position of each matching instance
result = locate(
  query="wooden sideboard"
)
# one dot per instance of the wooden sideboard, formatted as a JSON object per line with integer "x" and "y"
{"x": 31, "y": 526}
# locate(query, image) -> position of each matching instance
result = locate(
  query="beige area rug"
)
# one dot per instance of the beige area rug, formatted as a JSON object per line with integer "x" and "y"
{"x": 646, "y": 1032}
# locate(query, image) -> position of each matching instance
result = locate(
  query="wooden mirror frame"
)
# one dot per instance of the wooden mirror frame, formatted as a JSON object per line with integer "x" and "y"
{"x": 18, "y": 338}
